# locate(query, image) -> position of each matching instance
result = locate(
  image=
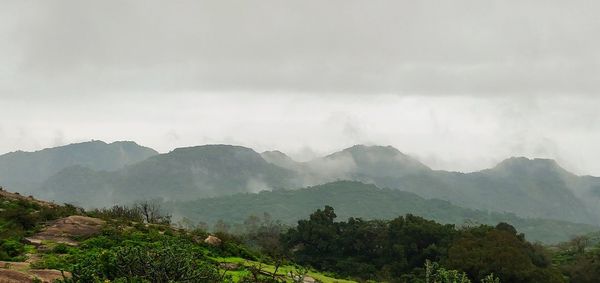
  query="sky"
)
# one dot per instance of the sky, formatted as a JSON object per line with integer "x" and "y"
{"x": 460, "y": 84}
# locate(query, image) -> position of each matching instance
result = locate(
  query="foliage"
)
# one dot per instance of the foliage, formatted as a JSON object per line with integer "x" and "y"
{"x": 436, "y": 274}
{"x": 22, "y": 217}
{"x": 355, "y": 199}
{"x": 396, "y": 250}
{"x": 579, "y": 260}
{"x": 118, "y": 212}
{"x": 11, "y": 249}
{"x": 367, "y": 249}
{"x": 147, "y": 211}
{"x": 168, "y": 261}
{"x": 500, "y": 250}
{"x": 405, "y": 249}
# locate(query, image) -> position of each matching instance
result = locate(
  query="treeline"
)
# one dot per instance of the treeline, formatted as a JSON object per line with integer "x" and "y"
{"x": 146, "y": 211}
{"x": 397, "y": 250}
{"x": 289, "y": 206}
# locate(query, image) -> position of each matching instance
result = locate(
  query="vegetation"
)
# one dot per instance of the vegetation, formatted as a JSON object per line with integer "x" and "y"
{"x": 397, "y": 250}
{"x": 148, "y": 211}
{"x": 579, "y": 259}
{"x": 137, "y": 244}
{"x": 20, "y": 218}
{"x": 434, "y": 273}
{"x": 355, "y": 199}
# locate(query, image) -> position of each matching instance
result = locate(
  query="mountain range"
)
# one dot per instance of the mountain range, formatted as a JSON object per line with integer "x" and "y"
{"x": 98, "y": 174}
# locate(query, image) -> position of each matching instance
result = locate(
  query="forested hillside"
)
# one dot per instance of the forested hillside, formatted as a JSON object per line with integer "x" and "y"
{"x": 355, "y": 199}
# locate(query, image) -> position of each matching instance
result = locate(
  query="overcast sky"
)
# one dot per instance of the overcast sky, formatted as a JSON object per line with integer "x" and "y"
{"x": 459, "y": 84}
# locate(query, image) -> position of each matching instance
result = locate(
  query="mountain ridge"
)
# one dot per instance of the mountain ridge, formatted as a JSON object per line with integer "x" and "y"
{"x": 527, "y": 187}
{"x": 184, "y": 173}
{"x": 27, "y": 170}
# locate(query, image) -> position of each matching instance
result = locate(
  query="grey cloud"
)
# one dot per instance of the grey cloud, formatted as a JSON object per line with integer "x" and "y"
{"x": 435, "y": 73}
{"x": 402, "y": 47}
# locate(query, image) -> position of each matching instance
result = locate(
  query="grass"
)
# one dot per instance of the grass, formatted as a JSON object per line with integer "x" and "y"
{"x": 283, "y": 271}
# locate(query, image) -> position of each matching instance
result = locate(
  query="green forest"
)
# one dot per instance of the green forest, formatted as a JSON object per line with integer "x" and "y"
{"x": 367, "y": 201}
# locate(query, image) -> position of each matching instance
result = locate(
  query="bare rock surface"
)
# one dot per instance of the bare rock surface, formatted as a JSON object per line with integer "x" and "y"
{"x": 65, "y": 230}
{"x": 17, "y": 272}
{"x": 48, "y": 275}
{"x": 13, "y": 276}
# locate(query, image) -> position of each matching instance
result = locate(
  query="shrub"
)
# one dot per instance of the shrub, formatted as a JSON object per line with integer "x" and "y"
{"x": 10, "y": 248}
{"x": 166, "y": 261}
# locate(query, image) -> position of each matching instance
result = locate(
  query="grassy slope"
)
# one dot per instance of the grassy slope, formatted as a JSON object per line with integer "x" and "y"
{"x": 117, "y": 233}
{"x": 282, "y": 270}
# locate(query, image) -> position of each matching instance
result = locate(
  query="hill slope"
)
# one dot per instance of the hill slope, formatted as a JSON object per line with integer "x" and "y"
{"x": 354, "y": 199}
{"x": 528, "y": 187}
{"x": 183, "y": 174}
{"x": 25, "y": 171}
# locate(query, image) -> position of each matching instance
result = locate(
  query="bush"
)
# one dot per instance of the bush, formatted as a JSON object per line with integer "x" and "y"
{"x": 60, "y": 249}
{"x": 10, "y": 249}
{"x": 166, "y": 261}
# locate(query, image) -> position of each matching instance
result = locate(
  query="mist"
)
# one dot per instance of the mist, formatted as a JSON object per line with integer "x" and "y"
{"x": 461, "y": 86}
{"x": 459, "y": 133}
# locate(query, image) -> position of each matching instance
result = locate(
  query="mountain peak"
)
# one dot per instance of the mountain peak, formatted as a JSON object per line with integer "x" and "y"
{"x": 521, "y": 160}
{"x": 524, "y": 164}
{"x": 216, "y": 154}
{"x": 382, "y": 161}
{"x": 373, "y": 149}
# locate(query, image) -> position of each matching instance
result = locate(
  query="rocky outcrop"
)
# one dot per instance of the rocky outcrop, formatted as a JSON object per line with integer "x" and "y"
{"x": 213, "y": 241}
{"x": 21, "y": 272}
{"x": 66, "y": 230}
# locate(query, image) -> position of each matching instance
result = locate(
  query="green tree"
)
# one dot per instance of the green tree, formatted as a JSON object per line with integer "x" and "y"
{"x": 484, "y": 250}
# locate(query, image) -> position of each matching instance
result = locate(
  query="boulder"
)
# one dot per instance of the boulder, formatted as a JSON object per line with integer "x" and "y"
{"x": 213, "y": 241}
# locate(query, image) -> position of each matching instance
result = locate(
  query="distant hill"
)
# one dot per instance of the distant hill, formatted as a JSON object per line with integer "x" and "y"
{"x": 355, "y": 199}
{"x": 537, "y": 188}
{"x": 183, "y": 174}
{"x": 371, "y": 162}
{"x": 25, "y": 171}
{"x": 528, "y": 187}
